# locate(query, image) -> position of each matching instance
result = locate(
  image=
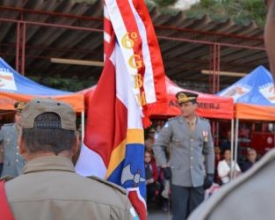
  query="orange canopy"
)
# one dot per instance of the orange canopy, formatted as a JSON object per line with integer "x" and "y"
{"x": 7, "y": 100}
{"x": 255, "y": 112}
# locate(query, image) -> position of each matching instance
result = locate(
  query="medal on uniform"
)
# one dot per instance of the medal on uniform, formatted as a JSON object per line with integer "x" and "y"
{"x": 205, "y": 136}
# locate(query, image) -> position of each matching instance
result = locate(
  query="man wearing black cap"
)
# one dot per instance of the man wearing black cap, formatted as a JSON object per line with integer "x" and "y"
{"x": 48, "y": 187}
{"x": 13, "y": 161}
{"x": 190, "y": 173}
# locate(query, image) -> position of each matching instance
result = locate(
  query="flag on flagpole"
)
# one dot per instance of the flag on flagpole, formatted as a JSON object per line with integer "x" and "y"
{"x": 131, "y": 87}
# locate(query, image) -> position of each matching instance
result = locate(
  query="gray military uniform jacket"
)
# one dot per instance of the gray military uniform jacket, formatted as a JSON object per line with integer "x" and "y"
{"x": 187, "y": 149}
{"x": 250, "y": 196}
{"x": 13, "y": 160}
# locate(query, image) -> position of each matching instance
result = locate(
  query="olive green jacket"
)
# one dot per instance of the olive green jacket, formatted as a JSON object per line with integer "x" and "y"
{"x": 49, "y": 189}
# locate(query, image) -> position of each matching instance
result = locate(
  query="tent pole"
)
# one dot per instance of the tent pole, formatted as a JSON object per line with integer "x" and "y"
{"x": 82, "y": 126}
{"x": 236, "y": 145}
{"x": 236, "y": 139}
{"x": 232, "y": 141}
{"x": 232, "y": 138}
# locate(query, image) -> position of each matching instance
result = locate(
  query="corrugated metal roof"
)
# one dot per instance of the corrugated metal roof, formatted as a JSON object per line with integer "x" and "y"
{"x": 186, "y": 43}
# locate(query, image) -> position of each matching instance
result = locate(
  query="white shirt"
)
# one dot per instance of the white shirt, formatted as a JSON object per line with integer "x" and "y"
{"x": 224, "y": 170}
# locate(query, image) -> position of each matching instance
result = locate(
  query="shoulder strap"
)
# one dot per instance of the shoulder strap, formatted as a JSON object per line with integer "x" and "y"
{"x": 110, "y": 184}
{"x": 5, "y": 211}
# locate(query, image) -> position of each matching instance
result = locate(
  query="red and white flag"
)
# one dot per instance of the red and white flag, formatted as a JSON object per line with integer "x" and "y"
{"x": 130, "y": 89}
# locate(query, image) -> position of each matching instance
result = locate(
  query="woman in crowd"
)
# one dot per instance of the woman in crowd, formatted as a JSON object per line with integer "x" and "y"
{"x": 151, "y": 174}
{"x": 228, "y": 169}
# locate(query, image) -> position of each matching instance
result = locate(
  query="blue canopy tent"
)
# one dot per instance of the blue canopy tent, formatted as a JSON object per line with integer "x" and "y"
{"x": 253, "y": 95}
{"x": 254, "y": 98}
{"x": 14, "y": 87}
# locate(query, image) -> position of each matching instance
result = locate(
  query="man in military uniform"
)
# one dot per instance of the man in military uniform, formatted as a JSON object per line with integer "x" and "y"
{"x": 13, "y": 161}
{"x": 191, "y": 173}
{"x": 252, "y": 195}
{"x": 49, "y": 188}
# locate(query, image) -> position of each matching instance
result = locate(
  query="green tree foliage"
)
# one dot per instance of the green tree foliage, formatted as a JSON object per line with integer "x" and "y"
{"x": 241, "y": 11}
{"x": 164, "y": 3}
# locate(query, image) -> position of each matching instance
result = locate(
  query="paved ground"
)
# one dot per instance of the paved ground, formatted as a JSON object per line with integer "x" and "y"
{"x": 156, "y": 213}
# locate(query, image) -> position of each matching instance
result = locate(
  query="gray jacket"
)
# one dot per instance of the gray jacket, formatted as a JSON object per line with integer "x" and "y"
{"x": 186, "y": 160}
{"x": 13, "y": 160}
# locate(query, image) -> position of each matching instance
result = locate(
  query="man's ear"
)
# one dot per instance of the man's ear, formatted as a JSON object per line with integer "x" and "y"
{"x": 76, "y": 145}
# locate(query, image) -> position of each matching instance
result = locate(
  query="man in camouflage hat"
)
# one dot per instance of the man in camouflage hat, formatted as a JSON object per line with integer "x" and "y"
{"x": 190, "y": 139}
{"x": 13, "y": 161}
{"x": 49, "y": 188}
{"x": 252, "y": 195}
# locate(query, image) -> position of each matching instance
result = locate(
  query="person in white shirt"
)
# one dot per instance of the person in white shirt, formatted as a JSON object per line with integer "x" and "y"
{"x": 228, "y": 169}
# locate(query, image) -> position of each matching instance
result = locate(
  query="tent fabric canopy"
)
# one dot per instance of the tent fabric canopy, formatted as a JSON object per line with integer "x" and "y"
{"x": 209, "y": 106}
{"x": 253, "y": 95}
{"x": 15, "y": 87}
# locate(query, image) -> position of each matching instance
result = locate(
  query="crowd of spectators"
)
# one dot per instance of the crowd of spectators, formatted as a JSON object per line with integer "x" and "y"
{"x": 157, "y": 187}
{"x": 226, "y": 169}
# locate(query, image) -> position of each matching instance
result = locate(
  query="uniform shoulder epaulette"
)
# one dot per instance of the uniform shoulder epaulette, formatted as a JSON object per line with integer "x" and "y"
{"x": 205, "y": 119}
{"x": 110, "y": 184}
{"x": 6, "y": 178}
{"x": 173, "y": 118}
{"x": 8, "y": 124}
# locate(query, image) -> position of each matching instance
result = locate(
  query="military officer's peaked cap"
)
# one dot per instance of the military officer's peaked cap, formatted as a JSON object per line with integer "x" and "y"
{"x": 19, "y": 106}
{"x": 183, "y": 97}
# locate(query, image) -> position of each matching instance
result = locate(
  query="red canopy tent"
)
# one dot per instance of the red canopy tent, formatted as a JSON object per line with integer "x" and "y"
{"x": 209, "y": 106}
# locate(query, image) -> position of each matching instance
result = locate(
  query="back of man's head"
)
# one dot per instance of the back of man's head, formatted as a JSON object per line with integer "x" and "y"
{"x": 48, "y": 125}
